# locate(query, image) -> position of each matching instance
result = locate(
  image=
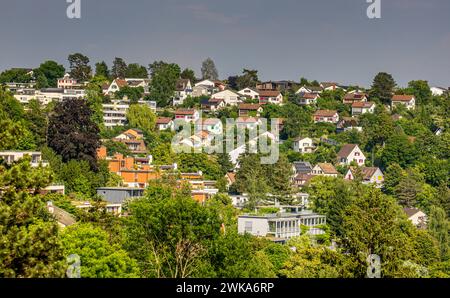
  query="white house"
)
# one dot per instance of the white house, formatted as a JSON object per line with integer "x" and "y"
{"x": 306, "y": 99}
{"x": 360, "y": 107}
{"x": 438, "y": 91}
{"x": 309, "y": 89}
{"x": 188, "y": 115}
{"x": 13, "y": 156}
{"x": 206, "y": 83}
{"x": 115, "y": 86}
{"x": 370, "y": 175}
{"x": 327, "y": 116}
{"x": 164, "y": 123}
{"x": 324, "y": 169}
{"x": 248, "y": 122}
{"x": 67, "y": 82}
{"x": 182, "y": 91}
{"x": 269, "y": 96}
{"x": 304, "y": 145}
{"x": 229, "y": 97}
{"x": 249, "y": 93}
{"x": 351, "y": 153}
{"x": 416, "y": 216}
{"x": 211, "y": 125}
{"x": 280, "y": 225}
{"x": 407, "y": 100}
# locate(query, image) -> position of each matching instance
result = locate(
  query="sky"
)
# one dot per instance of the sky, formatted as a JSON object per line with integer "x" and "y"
{"x": 326, "y": 40}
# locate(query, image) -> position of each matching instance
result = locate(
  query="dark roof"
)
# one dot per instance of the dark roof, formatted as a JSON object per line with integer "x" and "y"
{"x": 367, "y": 172}
{"x": 302, "y": 167}
{"x": 411, "y": 211}
{"x": 346, "y": 150}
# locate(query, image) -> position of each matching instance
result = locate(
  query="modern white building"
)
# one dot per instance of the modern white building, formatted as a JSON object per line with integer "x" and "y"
{"x": 281, "y": 226}
{"x": 115, "y": 113}
{"x": 13, "y": 156}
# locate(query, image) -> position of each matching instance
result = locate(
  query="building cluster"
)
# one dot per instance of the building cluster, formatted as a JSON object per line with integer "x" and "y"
{"x": 137, "y": 170}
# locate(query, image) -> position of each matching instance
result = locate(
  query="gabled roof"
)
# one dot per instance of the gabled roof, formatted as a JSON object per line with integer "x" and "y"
{"x": 346, "y": 150}
{"x": 297, "y": 139}
{"x": 309, "y": 95}
{"x": 355, "y": 96}
{"x": 403, "y": 98}
{"x": 325, "y": 113}
{"x": 411, "y": 211}
{"x": 182, "y": 84}
{"x": 367, "y": 172}
{"x": 163, "y": 120}
{"x": 249, "y": 106}
{"x": 208, "y": 121}
{"x": 121, "y": 83}
{"x": 247, "y": 120}
{"x": 313, "y": 88}
{"x": 269, "y": 93}
{"x": 327, "y": 168}
{"x": 231, "y": 177}
{"x": 185, "y": 112}
{"x": 362, "y": 104}
{"x": 302, "y": 167}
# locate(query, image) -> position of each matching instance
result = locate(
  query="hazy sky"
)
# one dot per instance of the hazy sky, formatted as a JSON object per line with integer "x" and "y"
{"x": 284, "y": 39}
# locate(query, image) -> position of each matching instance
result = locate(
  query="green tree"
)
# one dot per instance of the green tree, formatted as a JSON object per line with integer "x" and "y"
{"x": 136, "y": 71}
{"x": 29, "y": 244}
{"x": 99, "y": 258}
{"x": 167, "y": 232}
{"x": 383, "y": 87}
{"x": 72, "y": 133}
{"x": 101, "y": 69}
{"x": 188, "y": 74}
{"x": 142, "y": 117}
{"x": 385, "y": 232}
{"x": 119, "y": 68}
{"x": 209, "y": 70}
{"x": 52, "y": 71}
{"x": 314, "y": 261}
{"x": 421, "y": 90}
{"x": 439, "y": 226}
{"x": 79, "y": 67}
{"x": 18, "y": 75}
{"x": 164, "y": 80}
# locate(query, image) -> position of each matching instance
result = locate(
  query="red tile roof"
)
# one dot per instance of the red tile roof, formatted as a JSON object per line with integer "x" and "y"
{"x": 405, "y": 98}
{"x": 325, "y": 113}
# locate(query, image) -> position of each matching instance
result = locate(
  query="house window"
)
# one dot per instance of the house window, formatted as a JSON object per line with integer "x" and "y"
{"x": 248, "y": 226}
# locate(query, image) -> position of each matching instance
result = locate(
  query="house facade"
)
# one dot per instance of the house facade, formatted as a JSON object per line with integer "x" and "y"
{"x": 359, "y": 108}
{"x": 409, "y": 101}
{"x": 369, "y": 175}
{"x": 306, "y": 99}
{"x": 249, "y": 93}
{"x": 188, "y": 115}
{"x": 182, "y": 91}
{"x": 270, "y": 97}
{"x": 351, "y": 153}
{"x": 326, "y": 116}
{"x": 325, "y": 169}
{"x": 304, "y": 145}
{"x": 229, "y": 97}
